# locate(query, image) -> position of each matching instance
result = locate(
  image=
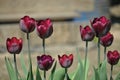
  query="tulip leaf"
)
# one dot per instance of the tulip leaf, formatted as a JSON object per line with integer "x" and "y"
{"x": 38, "y": 76}
{"x": 59, "y": 74}
{"x": 25, "y": 71}
{"x": 30, "y": 74}
{"x": 10, "y": 69}
{"x": 53, "y": 71}
{"x": 103, "y": 71}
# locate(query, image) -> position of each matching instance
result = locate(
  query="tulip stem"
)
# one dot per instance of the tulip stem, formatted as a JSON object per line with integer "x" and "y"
{"x": 43, "y": 45}
{"x": 29, "y": 55}
{"x": 44, "y": 75}
{"x": 66, "y": 74}
{"x": 111, "y": 72}
{"x": 105, "y": 48}
{"x": 86, "y": 51}
{"x": 15, "y": 66}
{"x": 98, "y": 51}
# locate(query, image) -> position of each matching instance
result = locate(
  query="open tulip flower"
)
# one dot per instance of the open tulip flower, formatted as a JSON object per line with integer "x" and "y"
{"x": 86, "y": 33}
{"x": 14, "y": 45}
{"x": 27, "y": 24}
{"x": 107, "y": 40}
{"x": 44, "y": 28}
{"x": 45, "y": 62}
{"x": 65, "y": 61}
{"x": 113, "y": 57}
{"x": 101, "y": 26}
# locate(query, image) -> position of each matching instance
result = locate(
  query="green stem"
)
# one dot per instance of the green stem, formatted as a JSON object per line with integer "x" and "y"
{"x": 15, "y": 66}
{"x": 43, "y": 45}
{"x": 29, "y": 55}
{"x": 66, "y": 74}
{"x": 105, "y": 52}
{"x": 111, "y": 78}
{"x": 86, "y": 51}
{"x": 44, "y": 75}
{"x": 98, "y": 51}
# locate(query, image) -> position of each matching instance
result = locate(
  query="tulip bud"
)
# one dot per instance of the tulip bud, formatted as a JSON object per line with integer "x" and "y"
{"x": 14, "y": 45}
{"x": 101, "y": 26}
{"x": 27, "y": 24}
{"x": 45, "y": 62}
{"x": 65, "y": 61}
{"x": 86, "y": 33}
{"x": 106, "y": 40}
{"x": 113, "y": 57}
{"x": 44, "y": 28}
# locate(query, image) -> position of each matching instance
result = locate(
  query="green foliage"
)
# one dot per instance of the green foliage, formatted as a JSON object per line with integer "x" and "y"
{"x": 100, "y": 73}
{"x": 10, "y": 69}
{"x": 38, "y": 76}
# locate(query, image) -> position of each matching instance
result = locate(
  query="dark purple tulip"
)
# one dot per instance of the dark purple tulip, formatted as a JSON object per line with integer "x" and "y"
{"x": 106, "y": 40}
{"x": 86, "y": 33}
{"x": 65, "y": 61}
{"x": 101, "y": 26}
{"x": 14, "y": 45}
{"x": 113, "y": 57}
{"x": 27, "y": 24}
{"x": 45, "y": 62}
{"x": 44, "y": 28}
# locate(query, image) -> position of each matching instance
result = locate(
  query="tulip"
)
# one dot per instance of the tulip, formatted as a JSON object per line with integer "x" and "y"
{"x": 101, "y": 26}
{"x": 113, "y": 57}
{"x": 44, "y": 28}
{"x": 45, "y": 62}
{"x": 65, "y": 61}
{"x": 27, "y": 24}
{"x": 86, "y": 33}
{"x": 106, "y": 40}
{"x": 14, "y": 45}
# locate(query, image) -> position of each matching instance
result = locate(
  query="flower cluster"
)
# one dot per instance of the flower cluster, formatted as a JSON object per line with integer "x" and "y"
{"x": 100, "y": 27}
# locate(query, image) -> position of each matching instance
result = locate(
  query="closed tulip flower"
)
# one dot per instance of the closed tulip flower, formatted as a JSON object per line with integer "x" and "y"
{"x": 45, "y": 62}
{"x": 44, "y": 28}
{"x": 113, "y": 57}
{"x": 101, "y": 26}
{"x": 14, "y": 45}
{"x": 65, "y": 61}
{"x": 27, "y": 24}
{"x": 86, "y": 33}
{"x": 106, "y": 40}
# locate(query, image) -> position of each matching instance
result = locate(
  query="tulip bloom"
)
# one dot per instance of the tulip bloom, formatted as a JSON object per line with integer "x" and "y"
{"x": 113, "y": 57}
{"x": 27, "y": 24}
{"x": 86, "y": 33}
{"x": 14, "y": 45}
{"x": 106, "y": 40}
{"x": 44, "y": 28}
{"x": 65, "y": 61}
{"x": 101, "y": 26}
{"x": 45, "y": 62}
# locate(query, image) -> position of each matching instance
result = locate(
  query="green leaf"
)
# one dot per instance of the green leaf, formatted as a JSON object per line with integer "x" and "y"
{"x": 87, "y": 68}
{"x": 59, "y": 74}
{"x": 103, "y": 71}
{"x": 38, "y": 76}
{"x": 96, "y": 74}
{"x": 53, "y": 72}
{"x": 118, "y": 76}
{"x": 10, "y": 69}
{"x": 24, "y": 69}
{"x": 30, "y": 74}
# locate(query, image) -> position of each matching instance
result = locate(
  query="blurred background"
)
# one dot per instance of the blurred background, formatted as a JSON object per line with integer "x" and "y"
{"x": 67, "y": 16}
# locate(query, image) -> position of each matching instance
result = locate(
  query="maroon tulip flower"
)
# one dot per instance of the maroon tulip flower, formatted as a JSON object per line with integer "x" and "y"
{"x": 113, "y": 57}
{"x": 106, "y": 40}
{"x": 86, "y": 33}
{"x": 14, "y": 45}
{"x": 65, "y": 61}
{"x": 44, "y": 28}
{"x": 27, "y": 24}
{"x": 45, "y": 62}
{"x": 101, "y": 26}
